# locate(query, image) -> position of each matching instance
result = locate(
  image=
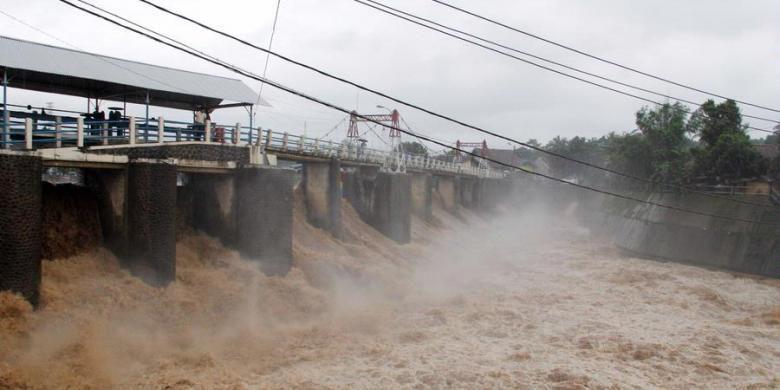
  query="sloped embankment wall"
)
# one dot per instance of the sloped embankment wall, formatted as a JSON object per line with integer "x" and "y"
{"x": 659, "y": 232}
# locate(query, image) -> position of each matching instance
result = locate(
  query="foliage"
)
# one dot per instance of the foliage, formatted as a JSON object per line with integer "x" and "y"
{"x": 415, "y": 148}
{"x": 732, "y": 157}
{"x": 663, "y": 147}
{"x": 663, "y": 142}
{"x": 580, "y": 148}
{"x": 726, "y": 153}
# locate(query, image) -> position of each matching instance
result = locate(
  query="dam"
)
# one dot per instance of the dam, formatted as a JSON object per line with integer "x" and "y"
{"x": 149, "y": 252}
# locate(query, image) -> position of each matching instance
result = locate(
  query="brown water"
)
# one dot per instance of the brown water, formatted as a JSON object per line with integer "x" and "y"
{"x": 521, "y": 301}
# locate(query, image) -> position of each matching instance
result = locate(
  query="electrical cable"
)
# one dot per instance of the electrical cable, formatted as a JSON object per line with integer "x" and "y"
{"x": 101, "y": 58}
{"x": 547, "y": 68}
{"x": 495, "y": 22}
{"x": 346, "y": 111}
{"x": 442, "y": 116}
{"x": 393, "y": 99}
{"x": 333, "y": 129}
{"x": 270, "y": 46}
{"x": 491, "y": 42}
{"x": 492, "y": 21}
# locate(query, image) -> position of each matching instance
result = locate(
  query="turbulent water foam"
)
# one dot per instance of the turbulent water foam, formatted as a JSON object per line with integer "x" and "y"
{"x": 524, "y": 300}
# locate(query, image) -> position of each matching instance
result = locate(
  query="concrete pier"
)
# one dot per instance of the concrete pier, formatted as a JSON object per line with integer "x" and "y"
{"x": 264, "y": 210}
{"x": 20, "y": 225}
{"x": 447, "y": 188}
{"x": 422, "y": 196}
{"x": 110, "y": 187}
{"x": 213, "y": 205}
{"x": 152, "y": 222}
{"x": 134, "y": 199}
{"x": 322, "y": 194}
{"x": 393, "y": 206}
{"x": 466, "y": 192}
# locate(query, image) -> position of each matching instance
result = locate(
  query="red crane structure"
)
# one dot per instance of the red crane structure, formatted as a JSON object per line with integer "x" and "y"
{"x": 461, "y": 157}
{"x": 392, "y": 120}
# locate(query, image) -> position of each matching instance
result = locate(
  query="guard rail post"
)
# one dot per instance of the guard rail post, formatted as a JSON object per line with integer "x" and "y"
{"x": 80, "y": 132}
{"x": 132, "y": 130}
{"x": 160, "y": 129}
{"x": 58, "y": 131}
{"x": 28, "y": 138}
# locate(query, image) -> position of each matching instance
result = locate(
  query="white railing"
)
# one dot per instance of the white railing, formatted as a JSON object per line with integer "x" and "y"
{"x": 32, "y": 134}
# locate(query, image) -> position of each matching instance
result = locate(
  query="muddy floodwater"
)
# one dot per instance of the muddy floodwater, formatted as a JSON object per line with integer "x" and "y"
{"x": 525, "y": 300}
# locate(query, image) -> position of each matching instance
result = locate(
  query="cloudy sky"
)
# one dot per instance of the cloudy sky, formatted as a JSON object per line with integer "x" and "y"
{"x": 727, "y": 47}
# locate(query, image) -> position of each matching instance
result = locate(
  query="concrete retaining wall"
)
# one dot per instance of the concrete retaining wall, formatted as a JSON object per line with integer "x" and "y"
{"x": 667, "y": 234}
{"x": 20, "y": 225}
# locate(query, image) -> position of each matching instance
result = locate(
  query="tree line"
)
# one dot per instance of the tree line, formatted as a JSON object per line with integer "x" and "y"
{"x": 671, "y": 144}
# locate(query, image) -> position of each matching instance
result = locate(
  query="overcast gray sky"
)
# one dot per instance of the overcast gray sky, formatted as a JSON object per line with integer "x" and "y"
{"x": 728, "y": 47}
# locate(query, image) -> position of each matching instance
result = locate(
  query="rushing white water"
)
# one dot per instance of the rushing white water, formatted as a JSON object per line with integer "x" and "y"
{"x": 518, "y": 301}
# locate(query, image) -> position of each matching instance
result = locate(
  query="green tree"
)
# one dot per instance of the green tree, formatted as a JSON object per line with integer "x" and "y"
{"x": 726, "y": 153}
{"x": 664, "y": 141}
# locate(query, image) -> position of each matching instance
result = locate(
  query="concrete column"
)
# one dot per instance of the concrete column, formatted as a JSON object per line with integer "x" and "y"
{"x": 20, "y": 225}
{"x": 264, "y": 210}
{"x": 214, "y": 205}
{"x": 322, "y": 190}
{"x": 422, "y": 195}
{"x": 448, "y": 190}
{"x": 151, "y": 198}
{"x": 111, "y": 193}
{"x": 392, "y": 206}
{"x": 359, "y": 190}
{"x": 466, "y": 191}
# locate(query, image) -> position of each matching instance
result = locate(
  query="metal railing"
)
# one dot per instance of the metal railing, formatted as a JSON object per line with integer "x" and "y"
{"x": 31, "y": 134}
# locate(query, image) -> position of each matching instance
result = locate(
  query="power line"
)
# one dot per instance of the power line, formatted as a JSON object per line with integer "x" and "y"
{"x": 495, "y": 22}
{"x": 442, "y": 116}
{"x": 270, "y": 45}
{"x": 435, "y": 114}
{"x": 547, "y": 68}
{"x": 491, "y": 42}
{"x": 101, "y": 58}
{"x": 368, "y": 119}
{"x": 333, "y": 129}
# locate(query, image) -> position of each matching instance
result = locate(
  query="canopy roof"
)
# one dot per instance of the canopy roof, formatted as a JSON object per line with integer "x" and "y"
{"x": 46, "y": 68}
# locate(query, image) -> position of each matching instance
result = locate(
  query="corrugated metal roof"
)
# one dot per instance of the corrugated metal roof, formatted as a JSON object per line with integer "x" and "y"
{"x": 77, "y": 71}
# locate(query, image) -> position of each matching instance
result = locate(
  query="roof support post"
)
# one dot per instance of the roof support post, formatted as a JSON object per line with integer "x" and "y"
{"x": 207, "y": 129}
{"x": 6, "y": 116}
{"x": 237, "y": 134}
{"x": 132, "y": 129}
{"x": 251, "y": 123}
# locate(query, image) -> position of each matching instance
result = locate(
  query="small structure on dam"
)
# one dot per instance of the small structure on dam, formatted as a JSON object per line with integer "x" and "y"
{"x": 141, "y": 179}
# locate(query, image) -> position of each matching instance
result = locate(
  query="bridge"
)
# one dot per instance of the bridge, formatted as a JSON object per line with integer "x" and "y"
{"x": 148, "y": 174}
